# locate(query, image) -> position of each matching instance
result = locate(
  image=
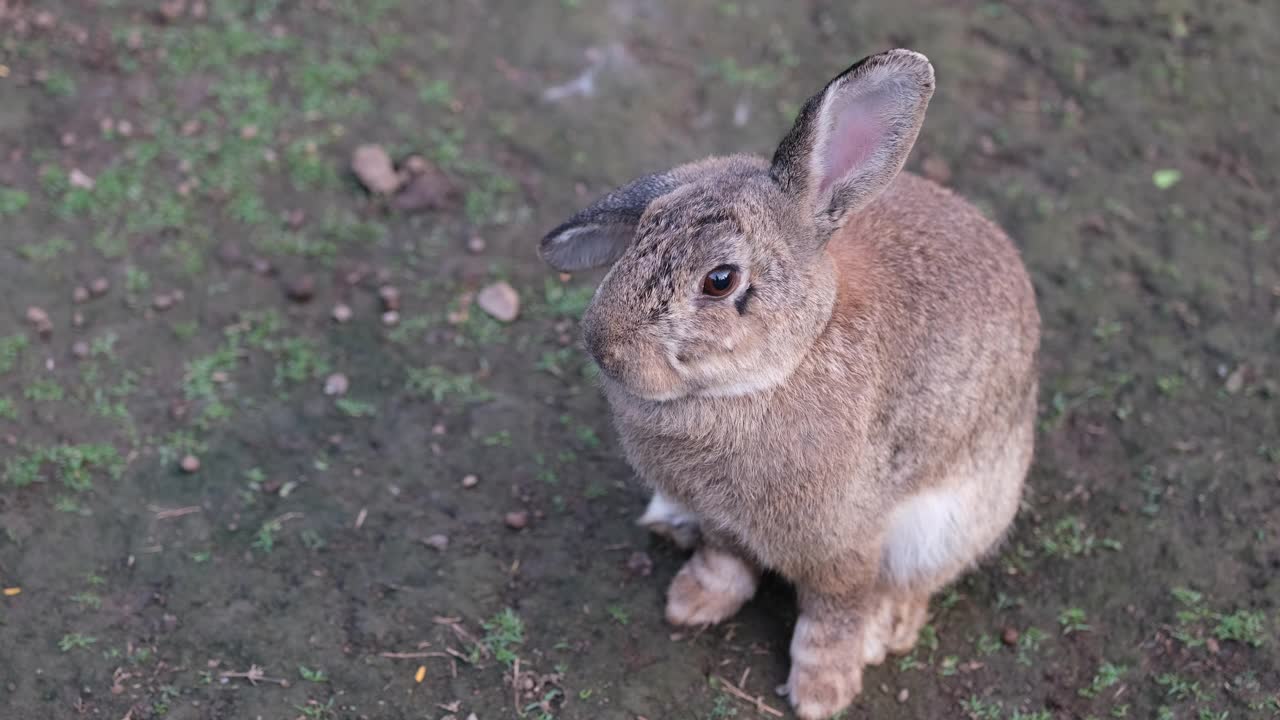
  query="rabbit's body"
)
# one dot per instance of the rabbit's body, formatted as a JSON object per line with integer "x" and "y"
{"x": 826, "y": 366}
{"x": 890, "y": 402}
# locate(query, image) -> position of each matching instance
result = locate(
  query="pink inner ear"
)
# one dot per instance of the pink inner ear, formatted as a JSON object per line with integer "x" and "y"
{"x": 852, "y": 138}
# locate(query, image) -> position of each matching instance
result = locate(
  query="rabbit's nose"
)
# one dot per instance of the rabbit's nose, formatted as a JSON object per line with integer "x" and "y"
{"x": 604, "y": 350}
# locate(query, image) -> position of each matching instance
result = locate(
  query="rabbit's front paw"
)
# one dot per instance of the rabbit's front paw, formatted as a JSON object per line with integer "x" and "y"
{"x": 820, "y": 691}
{"x": 710, "y": 587}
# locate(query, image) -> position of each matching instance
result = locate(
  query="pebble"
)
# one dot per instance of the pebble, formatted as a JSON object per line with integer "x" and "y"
{"x": 470, "y": 481}
{"x": 517, "y": 519}
{"x": 162, "y": 302}
{"x": 903, "y": 695}
{"x": 79, "y": 179}
{"x": 475, "y": 244}
{"x": 190, "y": 464}
{"x": 438, "y": 541}
{"x": 390, "y": 297}
{"x": 372, "y": 165}
{"x": 936, "y": 169}
{"x": 301, "y": 289}
{"x": 336, "y": 384}
{"x": 640, "y": 564}
{"x": 99, "y": 287}
{"x": 341, "y": 313}
{"x": 391, "y": 318}
{"x": 80, "y": 295}
{"x": 500, "y": 301}
{"x": 80, "y": 349}
{"x": 39, "y": 319}
{"x": 1009, "y": 636}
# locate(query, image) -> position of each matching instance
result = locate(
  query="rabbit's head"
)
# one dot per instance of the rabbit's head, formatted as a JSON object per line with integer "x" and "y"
{"x": 719, "y": 280}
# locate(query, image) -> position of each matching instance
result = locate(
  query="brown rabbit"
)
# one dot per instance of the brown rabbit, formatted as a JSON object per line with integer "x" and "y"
{"x": 823, "y": 365}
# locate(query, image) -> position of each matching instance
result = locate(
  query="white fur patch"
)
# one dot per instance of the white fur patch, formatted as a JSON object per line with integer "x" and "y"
{"x": 925, "y": 534}
{"x": 662, "y": 510}
{"x": 669, "y": 518}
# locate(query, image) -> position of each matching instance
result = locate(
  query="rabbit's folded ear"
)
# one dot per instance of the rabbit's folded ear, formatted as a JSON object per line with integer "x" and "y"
{"x": 601, "y": 233}
{"x": 851, "y": 139}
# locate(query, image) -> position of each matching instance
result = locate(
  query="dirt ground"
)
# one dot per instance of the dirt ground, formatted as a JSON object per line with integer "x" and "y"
{"x": 180, "y": 226}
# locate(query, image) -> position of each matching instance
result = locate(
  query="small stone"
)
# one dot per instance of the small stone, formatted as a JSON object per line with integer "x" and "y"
{"x": 903, "y": 695}
{"x": 987, "y": 145}
{"x": 80, "y": 349}
{"x": 500, "y": 301}
{"x": 475, "y": 245}
{"x": 936, "y": 169}
{"x": 190, "y": 127}
{"x": 77, "y": 319}
{"x": 99, "y": 287}
{"x": 1009, "y": 636}
{"x": 390, "y": 297}
{"x": 79, "y": 179}
{"x": 261, "y": 266}
{"x": 640, "y": 564}
{"x": 293, "y": 219}
{"x": 249, "y": 132}
{"x": 438, "y": 541}
{"x": 516, "y": 519}
{"x": 301, "y": 289}
{"x": 1235, "y": 381}
{"x": 190, "y": 464}
{"x": 124, "y": 127}
{"x": 1211, "y": 644}
{"x": 172, "y": 9}
{"x": 470, "y": 481}
{"x": 391, "y": 318}
{"x": 336, "y": 384}
{"x": 219, "y": 376}
{"x": 416, "y": 164}
{"x": 372, "y": 165}
{"x": 439, "y": 429}
{"x": 39, "y": 320}
{"x": 68, "y": 139}
{"x": 80, "y": 295}
{"x": 162, "y": 302}
{"x": 341, "y": 313}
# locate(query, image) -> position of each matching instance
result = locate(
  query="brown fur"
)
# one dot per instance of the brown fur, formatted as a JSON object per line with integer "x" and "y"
{"x": 886, "y": 350}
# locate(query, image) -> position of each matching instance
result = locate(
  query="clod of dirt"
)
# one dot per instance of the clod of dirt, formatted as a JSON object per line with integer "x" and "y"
{"x": 80, "y": 295}
{"x": 475, "y": 245}
{"x": 301, "y": 289}
{"x": 516, "y": 519}
{"x": 80, "y": 349}
{"x": 640, "y": 564}
{"x": 372, "y": 165}
{"x": 428, "y": 188}
{"x": 190, "y": 464}
{"x": 39, "y": 320}
{"x": 936, "y": 169}
{"x": 390, "y": 296}
{"x": 438, "y": 541}
{"x": 99, "y": 287}
{"x": 391, "y": 318}
{"x": 341, "y": 313}
{"x": 1009, "y": 636}
{"x": 336, "y": 384}
{"x": 470, "y": 481}
{"x": 500, "y": 300}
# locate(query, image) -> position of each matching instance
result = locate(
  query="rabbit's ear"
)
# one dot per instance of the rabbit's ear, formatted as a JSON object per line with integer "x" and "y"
{"x": 602, "y": 232}
{"x": 851, "y": 139}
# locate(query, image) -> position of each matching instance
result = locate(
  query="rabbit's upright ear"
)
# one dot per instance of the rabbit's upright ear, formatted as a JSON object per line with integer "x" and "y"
{"x": 602, "y": 232}
{"x": 851, "y": 139}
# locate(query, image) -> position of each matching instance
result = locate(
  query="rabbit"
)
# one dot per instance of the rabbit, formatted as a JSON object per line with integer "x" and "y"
{"x": 824, "y": 366}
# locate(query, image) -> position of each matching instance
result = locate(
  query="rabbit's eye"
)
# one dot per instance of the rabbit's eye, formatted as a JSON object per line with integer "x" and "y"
{"x": 720, "y": 282}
